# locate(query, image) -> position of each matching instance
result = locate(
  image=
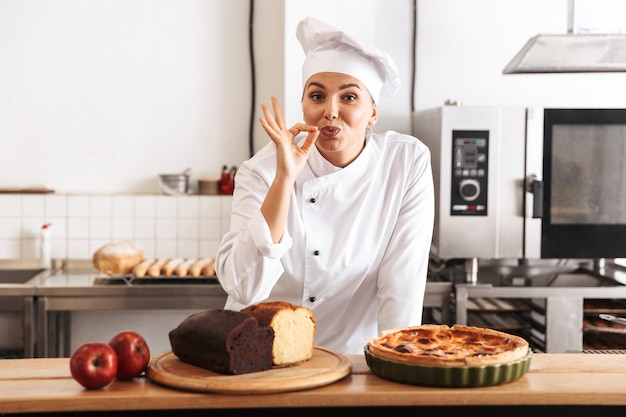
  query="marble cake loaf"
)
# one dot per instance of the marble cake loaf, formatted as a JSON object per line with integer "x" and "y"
{"x": 294, "y": 330}
{"x": 223, "y": 341}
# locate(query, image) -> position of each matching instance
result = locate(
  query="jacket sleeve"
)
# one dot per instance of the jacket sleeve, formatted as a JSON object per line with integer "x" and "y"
{"x": 404, "y": 268}
{"x": 247, "y": 262}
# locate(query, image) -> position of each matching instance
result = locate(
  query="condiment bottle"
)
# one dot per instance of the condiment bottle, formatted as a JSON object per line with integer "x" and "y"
{"x": 224, "y": 180}
{"x": 45, "y": 260}
{"x": 231, "y": 180}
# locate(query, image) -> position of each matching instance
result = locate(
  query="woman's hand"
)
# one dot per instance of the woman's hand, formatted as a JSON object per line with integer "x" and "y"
{"x": 290, "y": 158}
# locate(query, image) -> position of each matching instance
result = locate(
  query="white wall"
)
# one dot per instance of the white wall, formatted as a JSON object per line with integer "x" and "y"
{"x": 385, "y": 23}
{"x": 162, "y": 225}
{"x": 101, "y": 96}
{"x": 463, "y": 46}
{"x": 280, "y": 54}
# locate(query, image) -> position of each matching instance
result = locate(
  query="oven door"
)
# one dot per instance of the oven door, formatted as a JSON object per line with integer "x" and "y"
{"x": 578, "y": 196}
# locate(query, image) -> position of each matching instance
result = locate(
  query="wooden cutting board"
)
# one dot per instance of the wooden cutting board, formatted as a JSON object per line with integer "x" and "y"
{"x": 324, "y": 368}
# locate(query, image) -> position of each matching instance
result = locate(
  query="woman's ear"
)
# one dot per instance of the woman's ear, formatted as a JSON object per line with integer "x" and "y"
{"x": 374, "y": 117}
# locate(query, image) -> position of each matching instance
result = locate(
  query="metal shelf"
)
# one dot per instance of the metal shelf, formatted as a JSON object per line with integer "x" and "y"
{"x": 560, "y": 309}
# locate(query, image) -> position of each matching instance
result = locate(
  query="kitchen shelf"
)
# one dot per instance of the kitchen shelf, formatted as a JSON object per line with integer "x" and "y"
{"x": 594, "y": 324}
{"x": 497, "y": 321}
{"x": 604, "y": 341}
{"x": 609, "y": 306}
{"x": 482, "y": 305}
{"x": 557, "y": 311}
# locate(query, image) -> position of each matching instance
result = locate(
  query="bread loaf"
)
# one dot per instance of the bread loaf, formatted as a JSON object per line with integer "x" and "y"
{"x": 294, "y": 330}
{"x": 117, "y": 258}
{"x": 223, "y": 341}
{"x": 262, "y": 336}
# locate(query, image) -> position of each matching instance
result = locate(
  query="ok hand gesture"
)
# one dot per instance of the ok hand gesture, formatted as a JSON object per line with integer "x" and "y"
{"x": 290, "y": 157}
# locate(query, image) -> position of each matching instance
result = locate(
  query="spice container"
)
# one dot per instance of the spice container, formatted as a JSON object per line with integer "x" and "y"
{"x": 227, "y": 180}
{"x": 209, "y": 187}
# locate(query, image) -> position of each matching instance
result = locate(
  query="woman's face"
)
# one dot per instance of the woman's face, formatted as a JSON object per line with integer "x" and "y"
{"x": 342, "y": 108}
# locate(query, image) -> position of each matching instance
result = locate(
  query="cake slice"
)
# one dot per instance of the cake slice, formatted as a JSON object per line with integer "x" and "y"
{"x": 294, "y": 330}
{"x": 223, "y": 341}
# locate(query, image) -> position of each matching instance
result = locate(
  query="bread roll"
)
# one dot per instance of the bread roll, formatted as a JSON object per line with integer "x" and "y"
{"x": 196, "y": 269}
{"x": 117, "y": 258}
{"x": 171, "y": 266}
{"x": 183, "y": 269}
{"x": 209, "y": 269}
{"x": 140, "y": 270}
{"x": 155, "y": 269}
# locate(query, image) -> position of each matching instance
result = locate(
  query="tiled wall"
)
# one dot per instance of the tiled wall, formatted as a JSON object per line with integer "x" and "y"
{"x": 163, "y": 226}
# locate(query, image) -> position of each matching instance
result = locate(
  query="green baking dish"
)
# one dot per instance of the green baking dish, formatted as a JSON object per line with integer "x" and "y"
{"x": 447, "y": 376}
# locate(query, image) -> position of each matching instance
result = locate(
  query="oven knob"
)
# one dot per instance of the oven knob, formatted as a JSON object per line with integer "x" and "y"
{"x": 469, "y": 189}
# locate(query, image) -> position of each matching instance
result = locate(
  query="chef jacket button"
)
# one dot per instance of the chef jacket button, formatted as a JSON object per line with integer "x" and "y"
{"x": 316, "y": 253}
{"x": 313, "y": 200}
{"x": 312, "y": 299}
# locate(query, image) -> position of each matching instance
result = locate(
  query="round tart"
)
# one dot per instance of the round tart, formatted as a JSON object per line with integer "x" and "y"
{"x": 441, "y": 345}
{"x": 448, "y": 376}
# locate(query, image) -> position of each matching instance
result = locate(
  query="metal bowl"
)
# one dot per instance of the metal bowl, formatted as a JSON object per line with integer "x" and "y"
{"x": 174, "y": 184}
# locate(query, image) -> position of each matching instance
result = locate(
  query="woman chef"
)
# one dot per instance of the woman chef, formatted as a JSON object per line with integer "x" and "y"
{"x": 339, "y": 221}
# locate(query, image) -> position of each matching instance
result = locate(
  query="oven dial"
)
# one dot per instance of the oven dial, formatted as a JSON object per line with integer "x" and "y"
{"x": 469, "y": 189}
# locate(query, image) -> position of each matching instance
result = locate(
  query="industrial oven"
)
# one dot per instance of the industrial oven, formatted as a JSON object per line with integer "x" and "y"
{"x": 531, "y": 202}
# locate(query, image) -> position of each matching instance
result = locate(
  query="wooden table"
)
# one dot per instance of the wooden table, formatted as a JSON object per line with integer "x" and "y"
{"x": 576, "y": 383}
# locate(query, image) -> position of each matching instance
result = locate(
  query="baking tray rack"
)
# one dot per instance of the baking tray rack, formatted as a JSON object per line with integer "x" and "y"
{"x": 161, "y": 280}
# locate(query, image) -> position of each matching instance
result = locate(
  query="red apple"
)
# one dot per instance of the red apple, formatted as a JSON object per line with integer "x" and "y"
{"x": 133, "y": 354}
{"x": 94, "y": 365}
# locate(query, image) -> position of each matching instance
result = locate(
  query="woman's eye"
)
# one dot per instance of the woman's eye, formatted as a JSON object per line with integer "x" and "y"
{"x": 349, "y": 97}
{"x": 317, "y": 96}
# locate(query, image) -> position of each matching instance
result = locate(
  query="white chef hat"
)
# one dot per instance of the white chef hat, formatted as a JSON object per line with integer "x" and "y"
{"x": 331, "y": 50}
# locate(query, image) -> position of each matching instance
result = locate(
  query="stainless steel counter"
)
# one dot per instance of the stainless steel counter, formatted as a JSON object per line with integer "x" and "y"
{"x": 74, "y": 287}
{"x": 17, "y": 307}
{"x": 52, "y": 295}
{"x": 17, "y": 313}
{"x": 35, "y": 311}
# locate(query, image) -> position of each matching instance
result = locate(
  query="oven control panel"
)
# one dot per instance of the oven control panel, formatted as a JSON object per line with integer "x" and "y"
{"x": 470, "y": 162}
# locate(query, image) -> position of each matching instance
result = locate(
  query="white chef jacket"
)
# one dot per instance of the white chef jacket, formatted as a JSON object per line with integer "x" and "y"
{"x": 356, "y": 243}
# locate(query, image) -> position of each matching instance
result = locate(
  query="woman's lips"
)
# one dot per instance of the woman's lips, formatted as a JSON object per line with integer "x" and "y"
{"x": 330, "y": 131}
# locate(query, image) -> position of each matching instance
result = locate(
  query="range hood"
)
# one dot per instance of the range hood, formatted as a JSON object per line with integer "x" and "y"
{"x": 595, "y": 41}
{"x": 570, "y": 53}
